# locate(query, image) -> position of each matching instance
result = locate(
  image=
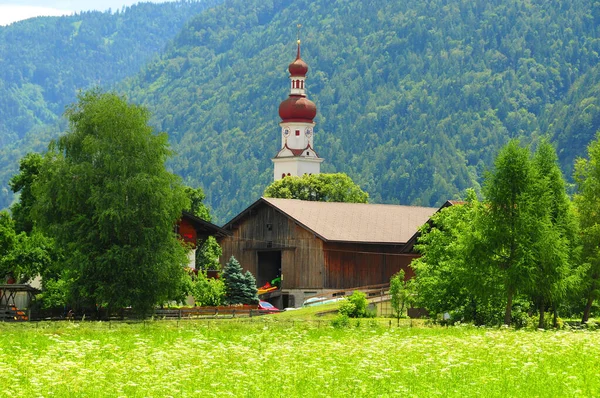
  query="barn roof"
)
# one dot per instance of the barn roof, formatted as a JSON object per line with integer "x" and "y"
{"x": 351, "y": 222}
{"x": 203, "y": 227}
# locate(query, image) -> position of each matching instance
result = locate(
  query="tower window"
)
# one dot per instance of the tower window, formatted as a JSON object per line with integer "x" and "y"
{"x": 282, "y": 175}
{"x": 297, "y": 133}
{"x": 302, "y": 84}
{"x": 307, "y": 153}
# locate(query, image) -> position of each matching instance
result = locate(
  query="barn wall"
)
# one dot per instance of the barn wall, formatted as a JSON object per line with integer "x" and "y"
{"x": 267, "y": 229}
{"x": 352, "y": 265}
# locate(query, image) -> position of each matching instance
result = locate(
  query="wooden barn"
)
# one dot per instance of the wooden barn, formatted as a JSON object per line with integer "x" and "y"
{"x": 316, "y": 247}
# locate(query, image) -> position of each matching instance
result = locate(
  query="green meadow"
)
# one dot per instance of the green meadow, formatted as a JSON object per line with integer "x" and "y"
{"x": 282, "y": 357}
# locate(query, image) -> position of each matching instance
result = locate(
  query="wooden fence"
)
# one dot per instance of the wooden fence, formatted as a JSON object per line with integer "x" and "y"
{"x": 371, "y": 291}
{"x": 159, "y": 313}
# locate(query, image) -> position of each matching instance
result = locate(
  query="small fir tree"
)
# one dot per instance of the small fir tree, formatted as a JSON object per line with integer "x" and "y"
{"x": 250, "y": 288}
{"x": 239, "y": 288}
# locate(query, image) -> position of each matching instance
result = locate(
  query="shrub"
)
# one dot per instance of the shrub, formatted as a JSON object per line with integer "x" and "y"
{"x": 54, "y": 294}
{"x": 341, "y": 321}
{"x": 208, "y": 291}
{"x": 355, "y": 306}
{"x": 591, "y": 324}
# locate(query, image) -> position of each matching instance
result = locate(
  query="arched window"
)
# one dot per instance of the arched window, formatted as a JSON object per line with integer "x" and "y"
{"x": 282, "y": 175}
{"x": 289, "y": 175}
{"x": 302, "y": 84}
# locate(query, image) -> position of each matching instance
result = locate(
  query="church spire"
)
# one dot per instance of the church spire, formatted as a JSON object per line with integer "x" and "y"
{"x": 297, "y": 112}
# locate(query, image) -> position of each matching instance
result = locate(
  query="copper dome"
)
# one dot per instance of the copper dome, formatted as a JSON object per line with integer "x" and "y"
{"x": 298, "y": 68}
{"x": 297, "y": 108}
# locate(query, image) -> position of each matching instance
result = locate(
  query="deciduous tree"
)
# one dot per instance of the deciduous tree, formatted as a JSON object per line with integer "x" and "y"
{"x": 318, "y": 187}
{"x": 105, "y": 195}
{"x": 448, "y": 278}
{"x": 401, "y": 293}
{"x": 22, "y": 182}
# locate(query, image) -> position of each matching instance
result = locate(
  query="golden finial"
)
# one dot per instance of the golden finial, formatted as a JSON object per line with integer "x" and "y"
{"x": 298, "y": 40}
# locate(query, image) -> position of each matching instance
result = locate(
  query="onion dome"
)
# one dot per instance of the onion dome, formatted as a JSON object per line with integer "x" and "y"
{"x": 297, "y": 108}
{"x": 298, "y": 67}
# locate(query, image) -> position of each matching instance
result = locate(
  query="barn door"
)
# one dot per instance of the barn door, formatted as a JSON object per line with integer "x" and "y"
{"x": 269, "y": 266}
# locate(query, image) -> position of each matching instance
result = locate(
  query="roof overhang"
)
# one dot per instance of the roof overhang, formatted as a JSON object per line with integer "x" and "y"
{"x": 203, "y": 227}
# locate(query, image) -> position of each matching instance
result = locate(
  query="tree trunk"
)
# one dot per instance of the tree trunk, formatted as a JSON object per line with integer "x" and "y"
{"x": 555, "y": 320}
{"x": 588, "y": 308}
{"x": 507, "y": 313}
{"x": 542, "y": 309}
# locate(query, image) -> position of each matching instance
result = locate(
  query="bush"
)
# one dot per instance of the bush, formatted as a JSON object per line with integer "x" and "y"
{"x": 591, "y": 324}
{"x": 208, "y": 291}
{"x": 54, "y": 294}
{"x": 341, "y": 321}
{"x": 355, "y": 306}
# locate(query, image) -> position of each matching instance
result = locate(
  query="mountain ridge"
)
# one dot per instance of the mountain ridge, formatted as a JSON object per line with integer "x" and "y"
{"x": 414, "y": 98}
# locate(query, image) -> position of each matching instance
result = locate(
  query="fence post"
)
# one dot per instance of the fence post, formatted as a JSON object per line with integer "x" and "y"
{"x": 250, "y": 312}
{"x": 233, "y": 313}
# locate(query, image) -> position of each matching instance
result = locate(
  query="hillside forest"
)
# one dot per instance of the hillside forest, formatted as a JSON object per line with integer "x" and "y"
{"x": 415, "y": 98}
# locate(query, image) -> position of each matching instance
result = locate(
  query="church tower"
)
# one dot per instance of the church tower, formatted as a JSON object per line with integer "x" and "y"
{"x": 297, "y": 155}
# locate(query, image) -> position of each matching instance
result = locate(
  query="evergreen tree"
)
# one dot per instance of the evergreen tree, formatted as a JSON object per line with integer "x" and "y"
{"x": 553, "y": 273}
{"x": 240, "y": 288}
{"x": 250, "y": 290}
{"x": 508, "y": 222}
{"x": 587, "y": 201}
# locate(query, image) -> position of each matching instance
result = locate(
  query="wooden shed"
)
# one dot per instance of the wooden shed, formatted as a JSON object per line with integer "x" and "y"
{"x": 316, "y": 247}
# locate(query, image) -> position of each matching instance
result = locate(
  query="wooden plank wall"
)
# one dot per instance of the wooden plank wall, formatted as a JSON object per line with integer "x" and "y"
{"x": 349, "y": 265}
{"x": 302, "y": 259}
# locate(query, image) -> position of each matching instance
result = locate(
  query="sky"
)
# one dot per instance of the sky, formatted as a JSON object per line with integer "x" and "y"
{"x": 16, "y": 10}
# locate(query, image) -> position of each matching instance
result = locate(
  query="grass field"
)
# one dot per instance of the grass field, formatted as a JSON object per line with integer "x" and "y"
{"x": 272, "y": 357}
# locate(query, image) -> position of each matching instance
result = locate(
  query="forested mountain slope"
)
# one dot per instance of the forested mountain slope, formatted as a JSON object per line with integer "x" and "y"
{"x": 414, "y": 97}
{"x": 44, "y": 62}
{"x": 574, "y": 121}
